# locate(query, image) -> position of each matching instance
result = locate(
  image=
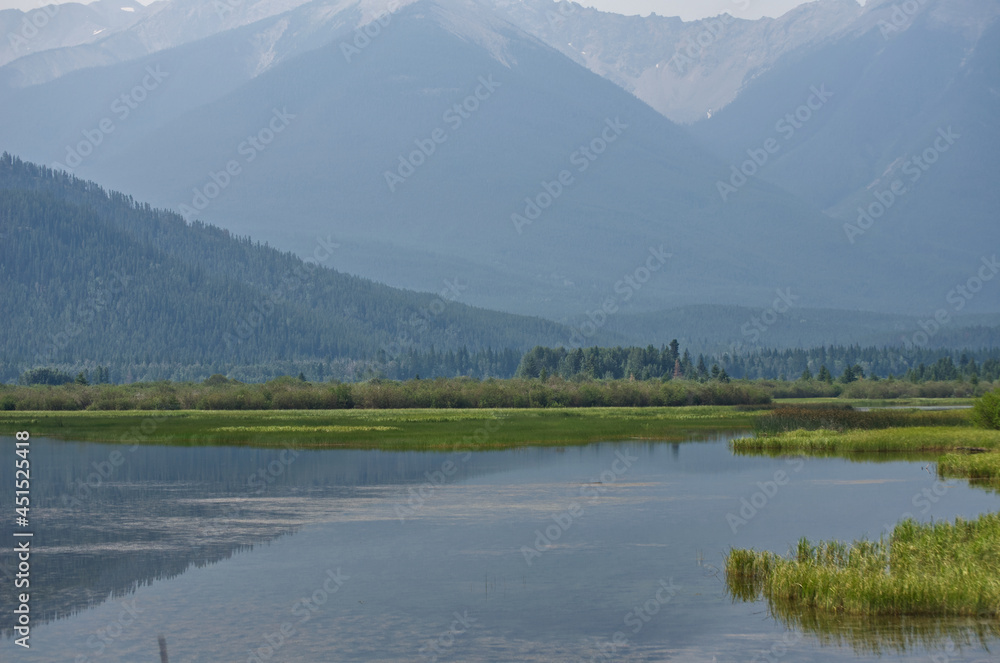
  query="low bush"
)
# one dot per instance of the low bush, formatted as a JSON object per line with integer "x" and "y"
{"x": 986, "y": 411}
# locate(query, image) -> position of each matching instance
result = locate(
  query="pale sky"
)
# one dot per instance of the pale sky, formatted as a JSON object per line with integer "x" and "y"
{"x": 693, "y": 9}
{"x": 686, "y": 9}
{"x": 28, "y": 5}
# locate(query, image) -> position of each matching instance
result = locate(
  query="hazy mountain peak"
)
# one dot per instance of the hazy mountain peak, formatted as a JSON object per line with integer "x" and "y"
{"x": 475, "y": 22}
{"x": 57, "y": 26}
{"x": 684, "y": 69}
{"x": 891, "y": 18}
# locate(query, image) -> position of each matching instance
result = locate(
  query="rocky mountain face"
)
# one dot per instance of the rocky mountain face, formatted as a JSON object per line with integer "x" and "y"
{"x": 51, "y": 27}
{"x": 685, "y": 70}
{"x": 905, "y": 154}
{"x": 467, "y": 139}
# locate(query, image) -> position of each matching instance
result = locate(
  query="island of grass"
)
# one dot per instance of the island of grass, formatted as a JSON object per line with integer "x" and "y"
{"x": 945, "y": 569}
{"x": 933, "y": 569}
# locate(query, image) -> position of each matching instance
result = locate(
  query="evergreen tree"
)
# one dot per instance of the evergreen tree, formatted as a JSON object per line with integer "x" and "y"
{"x": 824, "y": 375}
{"x": 528, "y": 367}
{"x": 848, "y": 376}
{"x": 702, "y": 369}
{"x": 675, "y": 352}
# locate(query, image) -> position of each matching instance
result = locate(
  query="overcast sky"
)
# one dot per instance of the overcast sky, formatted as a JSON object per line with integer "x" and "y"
{"x": 686, "y": 9}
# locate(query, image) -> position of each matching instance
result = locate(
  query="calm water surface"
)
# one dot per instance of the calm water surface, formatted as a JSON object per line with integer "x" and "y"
{"x": 598, "y": 553}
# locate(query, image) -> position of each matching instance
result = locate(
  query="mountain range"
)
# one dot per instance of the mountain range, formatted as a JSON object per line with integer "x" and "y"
{"x": 587, "y": 167}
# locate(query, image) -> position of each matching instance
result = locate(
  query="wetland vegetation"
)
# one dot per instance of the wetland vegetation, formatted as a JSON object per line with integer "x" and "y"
{"x": 938, "y": 568}
{"x": 419, "y": 429}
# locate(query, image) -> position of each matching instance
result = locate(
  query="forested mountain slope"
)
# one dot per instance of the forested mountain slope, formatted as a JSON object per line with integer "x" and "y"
{"x": 93, "y": 277}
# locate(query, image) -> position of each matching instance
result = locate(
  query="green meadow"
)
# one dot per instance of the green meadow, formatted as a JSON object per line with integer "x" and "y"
{"x": 419, "y": 429}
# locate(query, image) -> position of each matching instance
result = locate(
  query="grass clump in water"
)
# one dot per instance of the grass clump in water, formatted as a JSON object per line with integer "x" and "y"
{"x": 936, "y": 569}
{"x": 746, "y": 571}
{"x": 926, "y": 440}
{"x": 975, "y": 466}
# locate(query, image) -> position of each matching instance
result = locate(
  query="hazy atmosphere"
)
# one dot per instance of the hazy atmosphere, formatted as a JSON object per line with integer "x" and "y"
{"x": 686, "y": 9}
{"x": 499, "y": 330}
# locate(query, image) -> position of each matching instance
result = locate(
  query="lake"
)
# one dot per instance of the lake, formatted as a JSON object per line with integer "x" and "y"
{"x": 609, "y": 551}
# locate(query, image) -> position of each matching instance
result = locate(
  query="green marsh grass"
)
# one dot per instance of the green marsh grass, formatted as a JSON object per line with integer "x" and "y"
{"x": 934, "y": 569}
{"x": 429, "y": 429}
{"x": 917, "y": 439}
{"x": 984, "y": 467}
{"x": 828, "y": 417}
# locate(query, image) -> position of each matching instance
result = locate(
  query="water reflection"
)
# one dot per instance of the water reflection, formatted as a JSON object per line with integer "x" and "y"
{"x": 961, "y": 638}
{"x": 110, "y": 519}
{"x": 524, "y": 554}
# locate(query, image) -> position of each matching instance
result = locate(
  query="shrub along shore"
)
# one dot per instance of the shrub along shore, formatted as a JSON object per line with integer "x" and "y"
{"x": 287, "y": 393}
{"x": 218, "y": 393}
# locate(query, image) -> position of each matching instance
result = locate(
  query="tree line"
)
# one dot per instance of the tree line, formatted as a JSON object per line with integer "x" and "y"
{"x": 844, "y": 364}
